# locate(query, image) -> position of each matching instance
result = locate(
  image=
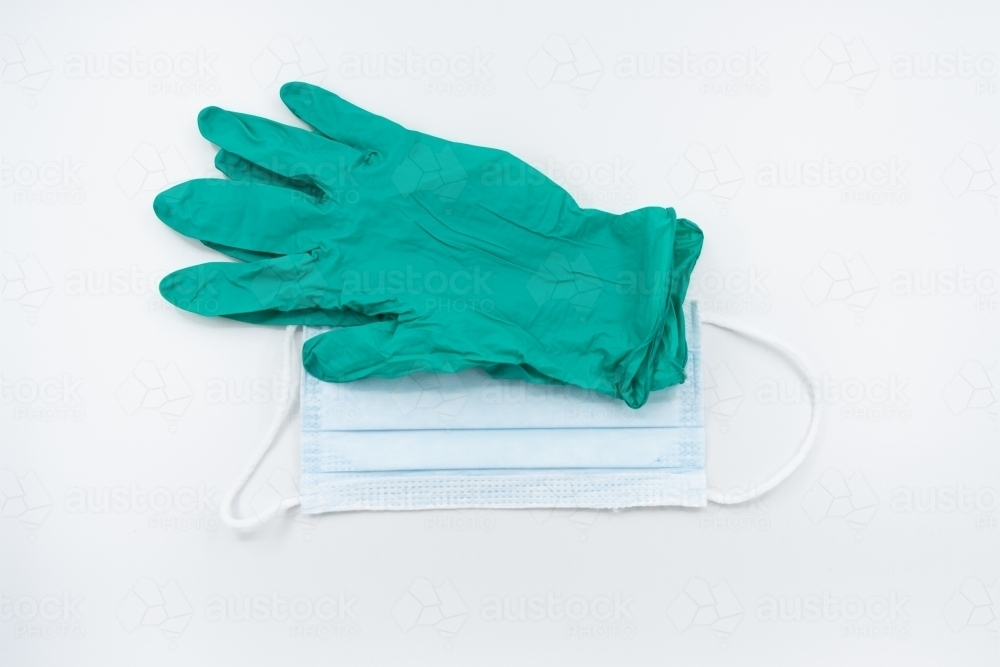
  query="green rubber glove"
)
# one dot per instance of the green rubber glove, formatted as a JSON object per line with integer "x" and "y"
{"x": 431, "y": 255}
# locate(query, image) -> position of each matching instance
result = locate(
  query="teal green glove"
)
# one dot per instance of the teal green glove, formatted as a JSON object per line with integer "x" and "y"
{"x": 431, "y": 255}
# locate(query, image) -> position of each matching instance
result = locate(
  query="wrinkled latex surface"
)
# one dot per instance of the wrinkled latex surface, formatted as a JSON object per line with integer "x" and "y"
{"x": 431, "y": 255}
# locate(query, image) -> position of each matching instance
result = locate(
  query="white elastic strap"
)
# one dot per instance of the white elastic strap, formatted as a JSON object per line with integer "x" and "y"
{"x": 802, "y": 367}
{"x": 228, "y": 509}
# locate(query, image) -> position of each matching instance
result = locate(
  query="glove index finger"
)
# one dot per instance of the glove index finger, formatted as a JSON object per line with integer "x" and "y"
{"x": 300, "y": 282}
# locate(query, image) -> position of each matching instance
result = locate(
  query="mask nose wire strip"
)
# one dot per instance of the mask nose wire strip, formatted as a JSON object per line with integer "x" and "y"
{"x": 805, "y": 445}
{"x": 228, "y": 508}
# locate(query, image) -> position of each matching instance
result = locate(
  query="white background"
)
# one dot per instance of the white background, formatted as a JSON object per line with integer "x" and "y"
{"x": 898, "y": 501}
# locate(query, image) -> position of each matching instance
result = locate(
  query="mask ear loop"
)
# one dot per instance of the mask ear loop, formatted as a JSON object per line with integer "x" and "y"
{"x": 228, "y": 508}
{"x": 810, "y": 437}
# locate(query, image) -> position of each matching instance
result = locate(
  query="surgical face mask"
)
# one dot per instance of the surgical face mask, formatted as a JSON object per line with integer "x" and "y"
{"x": 466, "y": 440}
